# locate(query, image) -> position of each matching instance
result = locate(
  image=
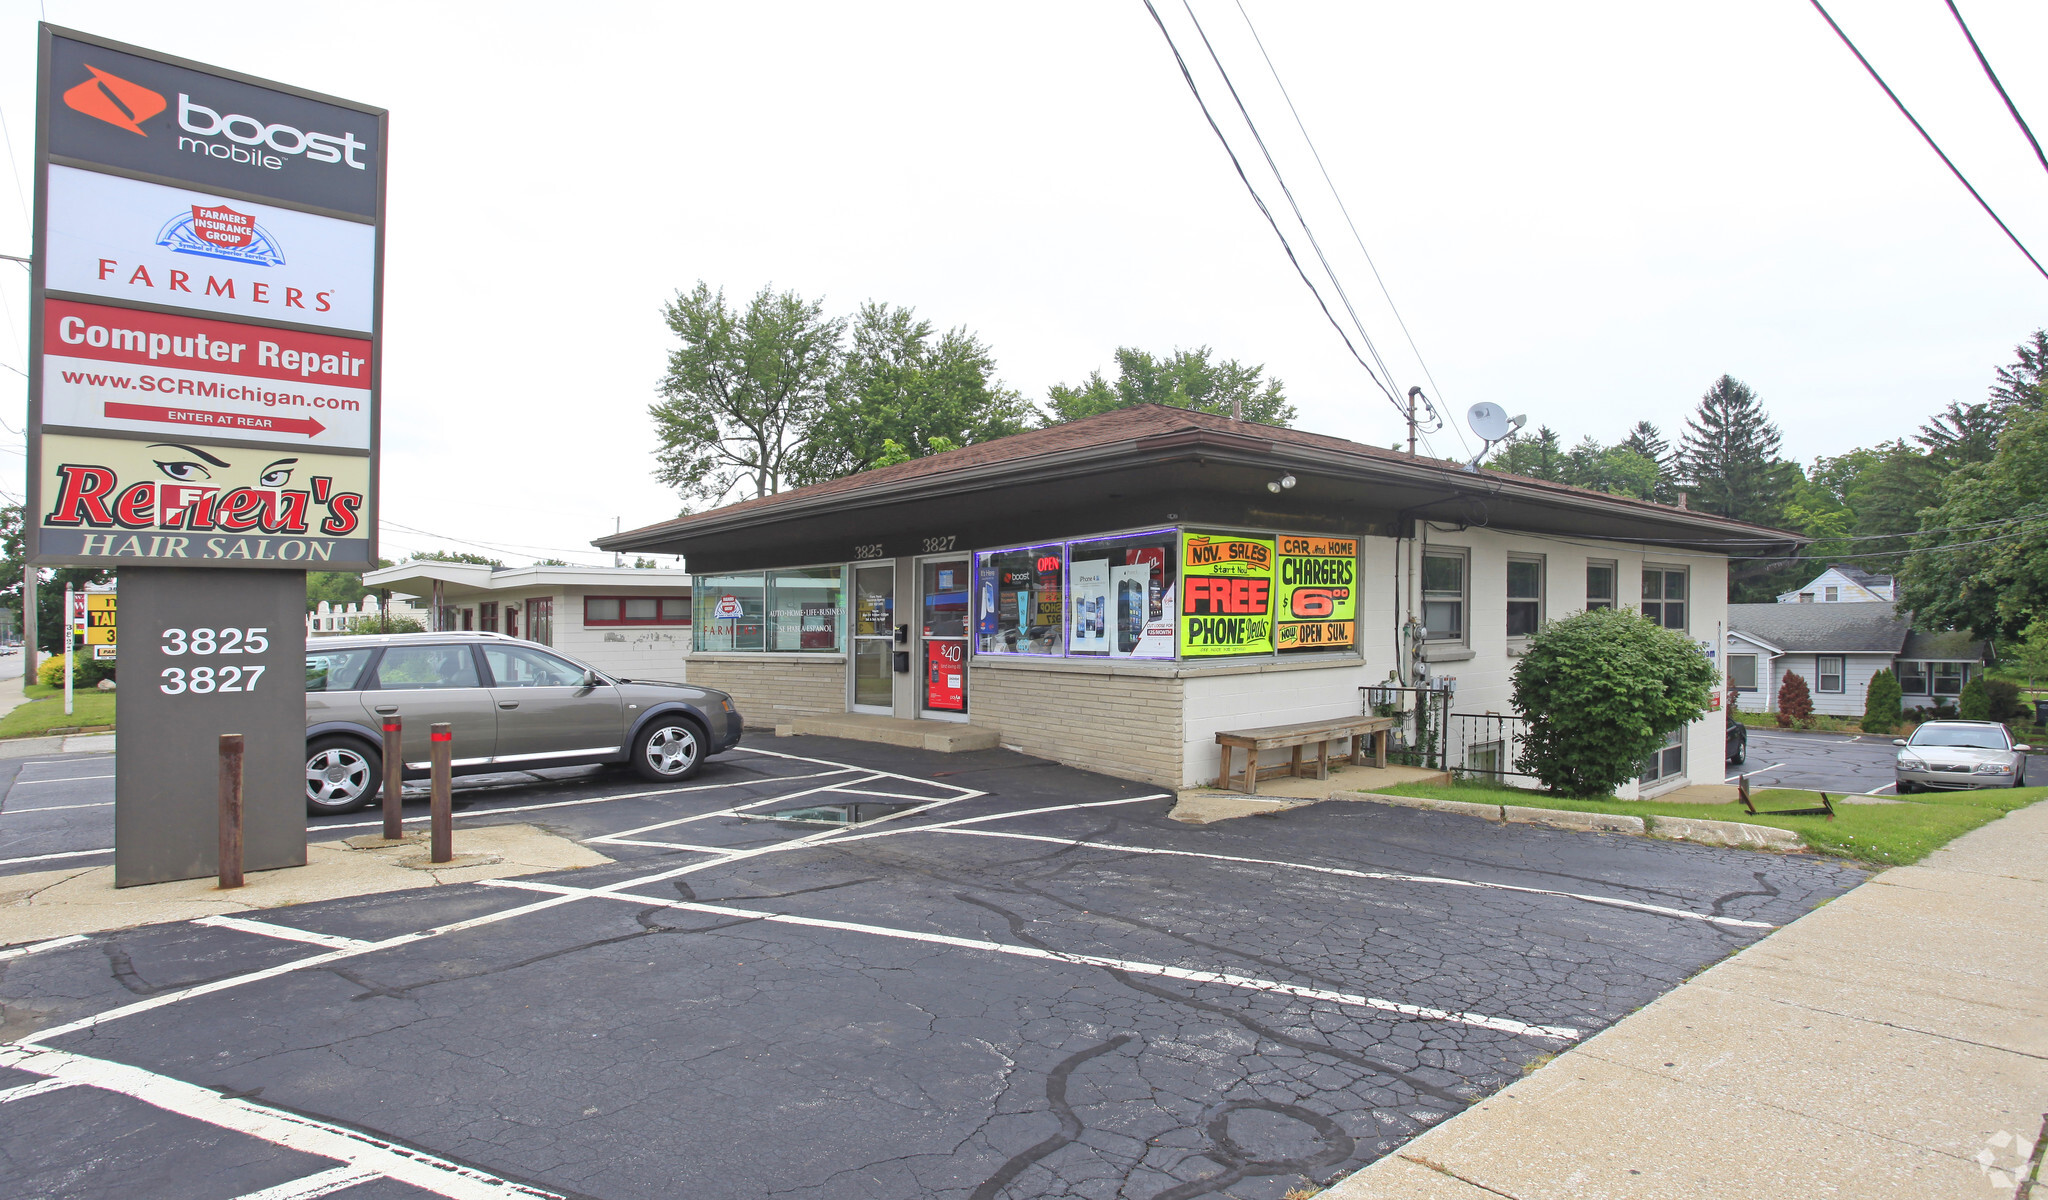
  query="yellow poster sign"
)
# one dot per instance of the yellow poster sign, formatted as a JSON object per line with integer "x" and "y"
{"x": 99, "y": 618}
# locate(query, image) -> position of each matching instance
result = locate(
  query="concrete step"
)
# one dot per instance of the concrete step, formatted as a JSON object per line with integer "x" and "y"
{"x": 946, "y": 737}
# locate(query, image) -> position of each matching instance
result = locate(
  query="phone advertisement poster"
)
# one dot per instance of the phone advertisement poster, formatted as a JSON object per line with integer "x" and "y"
{"x": 1226, "y": 595}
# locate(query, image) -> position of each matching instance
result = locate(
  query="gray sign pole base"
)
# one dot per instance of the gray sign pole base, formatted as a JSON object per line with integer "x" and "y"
{"x": 201, "y": 653}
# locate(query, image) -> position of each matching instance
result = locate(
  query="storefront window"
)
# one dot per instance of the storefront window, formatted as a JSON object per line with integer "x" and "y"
{"x": 730, "y": 612}
{"x": 1121, "y": 596}
{"x": 807, "y": 610}
{"x": 1020, "y": 601}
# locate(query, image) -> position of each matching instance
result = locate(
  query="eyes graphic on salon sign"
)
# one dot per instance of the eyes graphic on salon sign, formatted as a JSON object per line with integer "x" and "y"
{"x": 192, "y": 487}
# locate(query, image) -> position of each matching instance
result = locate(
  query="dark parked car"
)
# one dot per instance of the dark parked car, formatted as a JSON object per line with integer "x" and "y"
{"x": 1738, "y": 743}
{"x": 510, "y": 705}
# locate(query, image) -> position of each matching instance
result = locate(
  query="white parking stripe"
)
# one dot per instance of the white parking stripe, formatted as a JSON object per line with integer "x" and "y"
{"x": 59, "y": 779}
{"x": 292, "y": 1131}
{"x": 1562, "y": 1033}
{"x": 723, "y": 812}
{"x": 310, "y": 1187}
{"x": 39, "y": 947}
{"x": 285, "y": 932}
{"x": 8, "y": 862}
{"x": 38, "y": 1088}
{"x": 491, "y": 812}
{"x": 56, "y": 808}
{"x": 1385, "y": 876}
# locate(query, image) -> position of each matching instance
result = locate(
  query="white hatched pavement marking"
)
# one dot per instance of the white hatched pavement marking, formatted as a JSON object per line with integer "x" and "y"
{"x": 38, "y": 1088}
{"x": 285, "y": 932}
{"x": 1386, "y": 876}
{"x": 68, "y": 939}
{"x": 310, "y": 1187}
{"x": 1563, "y": 1033}
{"x": 57, "y": 808}
{"x": 59, "y": 779}
{"x": 292, "y": 1131}
{"x": 723, "y": 812}
{"x": 8, "y": 862}
{"x": 517, "y": 808}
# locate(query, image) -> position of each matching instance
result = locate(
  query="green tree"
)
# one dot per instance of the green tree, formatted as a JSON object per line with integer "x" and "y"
{"x": 742, "y": 391}
{"x": 2020, "y": 385}
{"x": 1602, "y": 690}
{"x": 1537, "y": 455}
{"x": 1614, "y": 469}
{"x": 1887, "y": 497}
{"x": 1183, "y": 379}
{"x": 1982, "y": 561}
{"x": 1647, "y": 440}
{"x": 903, "y": 382}
{"x": 1729, "y": 456}
{"x": 456, "y": 556}
{"x": 13, "y": 564}
{"x": 2031, "y": 652}
{"x": 1881, "y": 702}
{"x": 1961, "y": 434}
{"x": 381, "y": 623}
{"x": 1975, "y": 702}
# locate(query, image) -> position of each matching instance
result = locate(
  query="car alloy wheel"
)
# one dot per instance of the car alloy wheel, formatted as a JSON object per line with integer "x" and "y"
{"x": 338, "y": 778}
{"x": 671, "y": 751}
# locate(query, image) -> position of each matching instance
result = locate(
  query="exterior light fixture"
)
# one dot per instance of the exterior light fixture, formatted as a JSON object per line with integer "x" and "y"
{"x": 1281, "y": 484}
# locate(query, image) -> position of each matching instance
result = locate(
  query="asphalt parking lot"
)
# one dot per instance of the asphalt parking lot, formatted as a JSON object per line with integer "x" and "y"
{"x": 1833, "y": 762}
{"x": 1027, "y": 983}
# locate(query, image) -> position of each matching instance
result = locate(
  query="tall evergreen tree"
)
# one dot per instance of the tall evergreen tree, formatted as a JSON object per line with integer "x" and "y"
{"x": 2021, "y": 384}
{"x": 1730, "y": 457}
{"x": 1647, "y": 440}
{"x": 1961, "y": 434}
{"x": 1537, "y": 455}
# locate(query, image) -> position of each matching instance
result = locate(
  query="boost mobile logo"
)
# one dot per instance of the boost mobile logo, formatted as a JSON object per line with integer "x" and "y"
{"x": 115, "y": 100}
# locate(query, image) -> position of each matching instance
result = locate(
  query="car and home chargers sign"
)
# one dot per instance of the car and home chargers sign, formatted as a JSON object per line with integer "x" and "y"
{"x": 205, "y": 366}
{"x": 1226, "y": 594}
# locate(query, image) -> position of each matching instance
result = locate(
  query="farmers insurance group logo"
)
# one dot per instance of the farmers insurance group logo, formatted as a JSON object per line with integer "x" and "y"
{"x": 217, "y": 231}
{"x": 126, "y": 104}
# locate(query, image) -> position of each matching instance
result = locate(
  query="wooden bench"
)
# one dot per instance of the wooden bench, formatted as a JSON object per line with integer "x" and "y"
{"x": 1299, "y": 737}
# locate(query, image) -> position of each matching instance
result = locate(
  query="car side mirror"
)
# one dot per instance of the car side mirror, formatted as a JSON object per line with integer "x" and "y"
{"x": 1898, "y": 741}
{"x": 590, "y": 679}
{"x": 2024, "y": 749}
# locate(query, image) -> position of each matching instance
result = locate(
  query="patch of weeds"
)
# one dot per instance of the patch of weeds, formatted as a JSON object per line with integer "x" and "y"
{"x": 1538, "y": 1063}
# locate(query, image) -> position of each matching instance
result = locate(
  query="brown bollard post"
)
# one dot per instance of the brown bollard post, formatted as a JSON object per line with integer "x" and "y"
{"x": 442, "y": 819}
{"x": 394, "y": 778}
{"x": 231, "y": 810}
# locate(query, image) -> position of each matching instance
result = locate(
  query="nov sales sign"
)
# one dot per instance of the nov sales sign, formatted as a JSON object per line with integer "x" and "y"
{"x": 205, "y": 366}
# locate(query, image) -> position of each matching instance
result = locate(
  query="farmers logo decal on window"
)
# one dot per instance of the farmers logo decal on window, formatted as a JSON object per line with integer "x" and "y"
{"x": 1317, "y": 593}
{"x": 1226, "y": 595}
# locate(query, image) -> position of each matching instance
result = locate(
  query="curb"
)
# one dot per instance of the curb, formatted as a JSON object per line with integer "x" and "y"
{"x": 1682, "y": 829}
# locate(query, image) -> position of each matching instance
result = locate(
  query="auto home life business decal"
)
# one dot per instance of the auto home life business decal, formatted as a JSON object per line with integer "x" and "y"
{"x": 1226, "y": 595}
{"x": 1316, "y": 593}
{"x": 114, "y": 499}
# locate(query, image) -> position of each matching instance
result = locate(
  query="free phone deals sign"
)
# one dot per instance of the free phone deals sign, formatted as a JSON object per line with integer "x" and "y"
{"x": 205, "y": 344}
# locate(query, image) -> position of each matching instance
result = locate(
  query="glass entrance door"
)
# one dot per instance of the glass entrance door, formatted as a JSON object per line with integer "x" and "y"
{"x": 874, "y": 636}
{"x": 944, "y": 587}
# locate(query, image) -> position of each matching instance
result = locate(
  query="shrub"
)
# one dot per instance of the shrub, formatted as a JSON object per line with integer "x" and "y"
{"x": 1975, "y": 702}
{"x": 86, "y": 670}
{"x": 1795, "y": 702}
{"x": 371, "y": 624}
{"x": 2005, "y": 700}
{"x": 1881, "y": 703}
{"x": 1602, "y": 690}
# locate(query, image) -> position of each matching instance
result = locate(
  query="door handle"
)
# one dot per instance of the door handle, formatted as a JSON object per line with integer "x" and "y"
{"x": 508, "y": 704}
{"x": 386, "y": 709}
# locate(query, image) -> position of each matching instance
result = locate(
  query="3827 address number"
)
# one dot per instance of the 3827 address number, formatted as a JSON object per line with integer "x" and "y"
{"x": 208, "y": 680}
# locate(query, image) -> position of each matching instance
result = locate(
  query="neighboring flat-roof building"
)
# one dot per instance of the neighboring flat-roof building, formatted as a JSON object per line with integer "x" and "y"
{"x": 630, "y": 621}
{"x": 1112, "y": 592}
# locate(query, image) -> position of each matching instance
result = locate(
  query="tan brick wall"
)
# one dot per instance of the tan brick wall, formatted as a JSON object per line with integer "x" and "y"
{"x": 1128, "y": 726}
{"x": 767, "y": 689}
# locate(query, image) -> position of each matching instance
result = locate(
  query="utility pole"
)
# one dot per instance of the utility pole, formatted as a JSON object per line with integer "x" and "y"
{"x": 616, "y": 560}
{"x": 28, "y": 627}
{"x": 1411, "y": 421}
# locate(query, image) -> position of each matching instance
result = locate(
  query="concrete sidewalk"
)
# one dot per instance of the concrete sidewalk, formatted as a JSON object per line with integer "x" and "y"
{"x": 1893, "y": 1043}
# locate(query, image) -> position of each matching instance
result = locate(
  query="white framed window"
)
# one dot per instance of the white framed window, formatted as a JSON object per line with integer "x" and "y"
{"x": 1742, "y": 672}
{"x": 1664, "y": 596}
{"x": 1444, "y": 578}
{"x": 1600, "y": 589}
{"x": 1948, "y": 678}
{"x": 1525, "y": 594}
{"x": 1829, "y": 670}
{"x": 1833, "y": 594}
{"x": 1913, "y": 678}
{"x": 1669, "y": 759}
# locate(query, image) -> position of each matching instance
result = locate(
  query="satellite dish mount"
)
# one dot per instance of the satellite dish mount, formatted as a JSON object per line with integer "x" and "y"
{"x": 1493, "y": 425}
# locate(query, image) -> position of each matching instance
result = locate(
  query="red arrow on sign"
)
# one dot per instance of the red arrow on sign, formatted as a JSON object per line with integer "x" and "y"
{"x": 223, "y": 422}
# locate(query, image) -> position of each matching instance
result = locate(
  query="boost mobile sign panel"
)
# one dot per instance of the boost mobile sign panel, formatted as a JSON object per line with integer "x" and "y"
{"x": 206, "y": 295}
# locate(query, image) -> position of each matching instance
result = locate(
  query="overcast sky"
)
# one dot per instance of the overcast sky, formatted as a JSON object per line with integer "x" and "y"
{"x": 1585, "y": 212}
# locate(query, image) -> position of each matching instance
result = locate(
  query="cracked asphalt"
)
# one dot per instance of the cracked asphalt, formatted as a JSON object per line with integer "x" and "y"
{"x": 1038, "y": 986}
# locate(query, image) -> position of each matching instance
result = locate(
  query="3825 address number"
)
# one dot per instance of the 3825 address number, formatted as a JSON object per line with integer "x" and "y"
{"x": 206, "y": 680}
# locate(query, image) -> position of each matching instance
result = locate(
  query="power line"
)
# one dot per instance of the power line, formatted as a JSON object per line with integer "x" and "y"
{"x": 1260, "y": 201}
{"x": 1353, "y": 226}
{"x": 1286, "y": 191}
{"x": 1929, "y": 138}
{"x": 1993, "y": 77}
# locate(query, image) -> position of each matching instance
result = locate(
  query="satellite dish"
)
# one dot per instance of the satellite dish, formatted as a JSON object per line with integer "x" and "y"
{"x": 1489, "y": 421}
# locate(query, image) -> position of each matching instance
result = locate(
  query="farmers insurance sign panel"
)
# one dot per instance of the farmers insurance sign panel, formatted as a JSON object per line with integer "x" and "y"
{"x": 204, "y": 369}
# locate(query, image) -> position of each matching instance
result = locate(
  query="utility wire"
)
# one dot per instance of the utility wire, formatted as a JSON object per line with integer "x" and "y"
{"x": 1266, "y": 212}
{"x": 1929, "y": 138}
{"x": 1286, "y": 191}
{"x": 1993, "y": 77}
{"x": 1353, "y": 226}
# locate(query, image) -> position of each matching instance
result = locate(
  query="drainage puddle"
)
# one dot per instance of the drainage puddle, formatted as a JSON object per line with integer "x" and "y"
{"x": 853, "y": 812}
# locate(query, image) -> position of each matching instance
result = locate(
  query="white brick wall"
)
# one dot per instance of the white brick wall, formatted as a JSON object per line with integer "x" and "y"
{"x": 1275, "y": 696}
{"x": 768, "y": 687}
{"x": 1126, "y": 724}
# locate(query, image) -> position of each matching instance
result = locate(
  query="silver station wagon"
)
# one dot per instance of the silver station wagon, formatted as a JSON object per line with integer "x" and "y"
{"x": 1960, "y": 754}
{"x": 510, "y": 705}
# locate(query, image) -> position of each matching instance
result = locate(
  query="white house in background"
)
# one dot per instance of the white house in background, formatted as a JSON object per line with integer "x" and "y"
{"x": 1837, "y": 648}
{"x": 328, "y": 618}
{"x": 631, "y": 621}
{"x": 1842, "y": 585}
